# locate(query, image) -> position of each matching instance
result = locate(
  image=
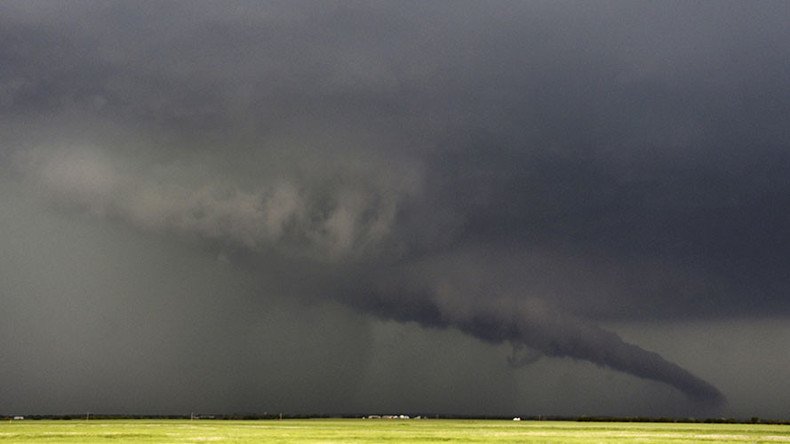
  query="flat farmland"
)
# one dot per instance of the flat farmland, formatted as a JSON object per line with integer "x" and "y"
{"x": 380, "y": 430}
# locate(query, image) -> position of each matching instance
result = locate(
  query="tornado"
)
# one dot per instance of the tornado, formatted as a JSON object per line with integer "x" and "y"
{"x": 564, "y": 336}
{"x": 552, "y": 333}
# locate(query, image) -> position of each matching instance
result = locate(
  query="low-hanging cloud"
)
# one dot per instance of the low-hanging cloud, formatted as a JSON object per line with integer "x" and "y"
{"x": 342, "y": 225}
{"x": 328, "y": 221}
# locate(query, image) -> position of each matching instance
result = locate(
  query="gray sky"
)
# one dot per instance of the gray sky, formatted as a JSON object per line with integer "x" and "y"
{"x": 455, "y": 207}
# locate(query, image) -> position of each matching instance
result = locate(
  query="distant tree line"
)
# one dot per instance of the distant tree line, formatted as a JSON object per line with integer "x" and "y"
{"x": 278, "y": 416}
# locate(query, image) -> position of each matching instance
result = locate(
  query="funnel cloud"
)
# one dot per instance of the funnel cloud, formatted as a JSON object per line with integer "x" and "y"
{"x": 272, "y": 200}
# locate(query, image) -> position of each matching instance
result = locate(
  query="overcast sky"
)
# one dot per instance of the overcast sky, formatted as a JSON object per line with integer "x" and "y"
{"x": 500, "y": 207}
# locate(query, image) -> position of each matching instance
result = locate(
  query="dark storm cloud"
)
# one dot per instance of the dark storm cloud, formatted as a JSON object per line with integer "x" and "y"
{"x": 449, "y": 164}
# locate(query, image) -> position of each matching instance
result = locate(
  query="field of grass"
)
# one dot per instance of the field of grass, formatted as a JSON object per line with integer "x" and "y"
{"x": 380, "y": 430}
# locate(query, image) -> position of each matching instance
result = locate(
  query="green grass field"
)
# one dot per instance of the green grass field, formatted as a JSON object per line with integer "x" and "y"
{"x": 380, "y": 430}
